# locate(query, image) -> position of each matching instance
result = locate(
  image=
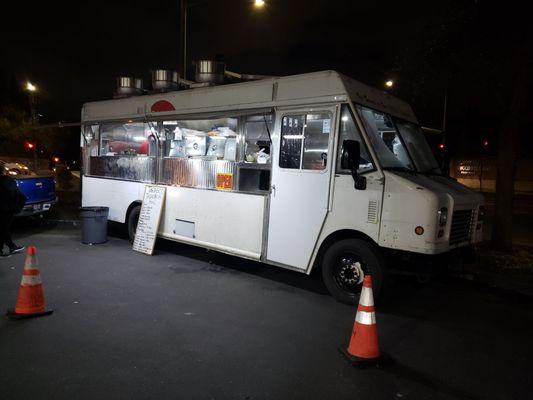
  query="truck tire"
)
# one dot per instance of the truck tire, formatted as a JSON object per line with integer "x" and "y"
{"x": 344, "y": 265}
{"x": 133, "y": 218}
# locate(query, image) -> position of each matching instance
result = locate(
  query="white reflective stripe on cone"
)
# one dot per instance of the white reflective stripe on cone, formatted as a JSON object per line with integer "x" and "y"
{"x": 366, "y": 298}
{"x": 30, "y": 280}
{"x": 365, "y": 317}
{"x": 30, "y": 263}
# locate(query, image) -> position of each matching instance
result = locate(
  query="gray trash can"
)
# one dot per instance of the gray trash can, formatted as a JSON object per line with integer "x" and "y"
{"x": 94, "y": 224}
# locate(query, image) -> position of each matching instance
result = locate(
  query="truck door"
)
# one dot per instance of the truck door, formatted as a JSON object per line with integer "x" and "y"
{"x": 301, "y": 173}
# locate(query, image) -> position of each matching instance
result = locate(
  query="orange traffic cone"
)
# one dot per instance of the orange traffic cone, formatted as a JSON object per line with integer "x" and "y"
{"x": 363, "y": 348}
{"x": 30, "y": 301}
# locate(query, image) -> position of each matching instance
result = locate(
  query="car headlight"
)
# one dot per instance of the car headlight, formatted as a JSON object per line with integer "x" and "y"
{"x": 442, "y": 216}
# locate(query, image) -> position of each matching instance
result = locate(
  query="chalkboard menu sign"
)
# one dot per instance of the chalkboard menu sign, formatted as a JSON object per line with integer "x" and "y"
{"x": 154, "y": 197}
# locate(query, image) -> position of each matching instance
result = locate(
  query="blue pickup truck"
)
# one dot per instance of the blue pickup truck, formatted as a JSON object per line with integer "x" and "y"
{"x": 40, "y": 192}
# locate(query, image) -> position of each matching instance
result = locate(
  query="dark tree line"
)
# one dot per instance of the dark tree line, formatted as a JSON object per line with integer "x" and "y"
{"x": 480, "y": 54}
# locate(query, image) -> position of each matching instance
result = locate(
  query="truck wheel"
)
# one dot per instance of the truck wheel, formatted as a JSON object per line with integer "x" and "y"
{"x": 344, "y": 265}
{"x": 133, "y": 218}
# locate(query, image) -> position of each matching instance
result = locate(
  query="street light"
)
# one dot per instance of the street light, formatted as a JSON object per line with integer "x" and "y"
{"x": 259, "y": 3}
{"x": 30, "y": 87}
{"x": 389, "y": 84}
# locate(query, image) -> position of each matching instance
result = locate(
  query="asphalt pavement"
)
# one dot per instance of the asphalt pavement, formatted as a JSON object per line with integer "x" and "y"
{"x": 191, "y": 324}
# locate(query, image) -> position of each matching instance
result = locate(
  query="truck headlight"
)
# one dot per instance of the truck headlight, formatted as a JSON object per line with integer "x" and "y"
{"x": 442, "y": 216}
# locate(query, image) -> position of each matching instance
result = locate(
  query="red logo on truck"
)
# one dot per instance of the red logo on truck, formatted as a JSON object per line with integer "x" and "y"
{"x": 161, "y": 106}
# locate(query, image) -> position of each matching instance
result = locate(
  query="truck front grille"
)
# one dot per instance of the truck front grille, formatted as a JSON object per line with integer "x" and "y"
{"x": 461, "y": 226}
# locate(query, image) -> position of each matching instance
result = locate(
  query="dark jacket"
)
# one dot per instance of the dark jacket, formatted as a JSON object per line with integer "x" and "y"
{"x": 11, "y": 198}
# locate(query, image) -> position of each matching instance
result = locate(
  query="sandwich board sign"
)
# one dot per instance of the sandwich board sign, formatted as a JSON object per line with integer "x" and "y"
{"x": 152, "y": 206}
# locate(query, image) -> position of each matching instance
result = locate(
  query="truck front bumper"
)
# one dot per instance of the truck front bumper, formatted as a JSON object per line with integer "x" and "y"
{"x": 418, "y": 263}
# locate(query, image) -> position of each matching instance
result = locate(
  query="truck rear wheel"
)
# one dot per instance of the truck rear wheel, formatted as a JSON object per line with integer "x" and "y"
{"x": 133, "y": 218}
{"x": 344, "y": 265}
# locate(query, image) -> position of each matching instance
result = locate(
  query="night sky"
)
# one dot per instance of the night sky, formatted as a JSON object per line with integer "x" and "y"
{"x": 74, "y": 51}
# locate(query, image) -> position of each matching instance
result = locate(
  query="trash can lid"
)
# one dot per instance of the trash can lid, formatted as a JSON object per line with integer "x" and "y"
{"x": 95, "y": 209}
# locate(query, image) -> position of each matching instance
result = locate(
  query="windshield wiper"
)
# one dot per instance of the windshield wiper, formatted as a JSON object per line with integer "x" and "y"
{"x": 433, "y": 171}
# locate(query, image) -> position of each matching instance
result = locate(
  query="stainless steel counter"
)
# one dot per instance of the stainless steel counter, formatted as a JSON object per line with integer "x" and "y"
{"x": 189, "y": 172}
{"x": 131, "y": 168}
{"x": 246, "y": 165}
{"x": 195, "y": 172}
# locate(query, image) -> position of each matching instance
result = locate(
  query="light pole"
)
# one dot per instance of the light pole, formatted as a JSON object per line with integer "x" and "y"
{"x": 444, "y": 111}
{"x": 184, "y": 8}
{"x": 31, "y": 89}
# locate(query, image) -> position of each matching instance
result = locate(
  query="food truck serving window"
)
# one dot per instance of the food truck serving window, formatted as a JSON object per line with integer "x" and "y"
{"x": 209, "y": 139}
{"x": 257, "y": 139}
{"x": 90, "y": 137}
{"x": 304, "y": 141}
{"x": 130, "y": 138}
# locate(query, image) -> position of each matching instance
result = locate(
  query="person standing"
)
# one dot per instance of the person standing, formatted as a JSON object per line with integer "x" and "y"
{"x": 11, "y": 202}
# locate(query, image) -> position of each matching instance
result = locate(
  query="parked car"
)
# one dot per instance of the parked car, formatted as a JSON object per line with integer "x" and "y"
{"x": 15, "y": 168}
{"x": 40, "y": 192}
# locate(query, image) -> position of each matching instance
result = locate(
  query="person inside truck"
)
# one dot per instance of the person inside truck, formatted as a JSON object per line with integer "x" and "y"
{"x": 11, "y": 202}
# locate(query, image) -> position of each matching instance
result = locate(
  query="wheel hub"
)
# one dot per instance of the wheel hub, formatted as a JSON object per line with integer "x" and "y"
{"x": 350, "y": 271}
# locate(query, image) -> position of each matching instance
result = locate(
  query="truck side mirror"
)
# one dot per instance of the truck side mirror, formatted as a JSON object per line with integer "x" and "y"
{"x": 350, "y": 159}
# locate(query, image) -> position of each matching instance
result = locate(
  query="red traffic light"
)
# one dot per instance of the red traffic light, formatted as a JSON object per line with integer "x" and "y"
{"x": 441, "y": 146}
{"x": 56, "y": 159}
{"x": 485, "y": 143}
{"x": 29, "y": 145}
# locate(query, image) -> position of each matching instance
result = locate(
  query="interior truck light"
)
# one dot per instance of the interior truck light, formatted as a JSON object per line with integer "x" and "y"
{"x": 443, "y": 216}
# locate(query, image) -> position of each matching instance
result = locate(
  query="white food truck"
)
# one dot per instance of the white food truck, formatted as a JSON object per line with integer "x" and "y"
{"x": 304, "y": 171}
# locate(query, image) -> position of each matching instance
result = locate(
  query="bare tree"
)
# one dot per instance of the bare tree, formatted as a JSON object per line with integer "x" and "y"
{"x": 508, "y": 146}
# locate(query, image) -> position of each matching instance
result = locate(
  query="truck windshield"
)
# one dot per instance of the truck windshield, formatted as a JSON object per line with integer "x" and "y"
{"x": 398, "y": 144}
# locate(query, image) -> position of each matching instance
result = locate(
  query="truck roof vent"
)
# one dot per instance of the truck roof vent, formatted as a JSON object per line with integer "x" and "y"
{"x": 210, "y": 72}
{"x": 128, "y": 86}
{"x": 164, "y": 80}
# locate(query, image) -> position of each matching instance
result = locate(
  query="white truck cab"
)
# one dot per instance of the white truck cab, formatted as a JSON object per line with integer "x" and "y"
{"x": 304, "y": 171}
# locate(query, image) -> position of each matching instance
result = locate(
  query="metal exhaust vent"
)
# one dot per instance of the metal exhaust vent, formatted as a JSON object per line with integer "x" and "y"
{"x": 164, "y": 80}
{"x": 210, "y": 72}
{"x": 128, "y": 86}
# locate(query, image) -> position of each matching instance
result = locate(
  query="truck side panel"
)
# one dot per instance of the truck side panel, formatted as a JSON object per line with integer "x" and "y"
{"x": 226, "y": 221}
{"x": 112, "y": 193}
